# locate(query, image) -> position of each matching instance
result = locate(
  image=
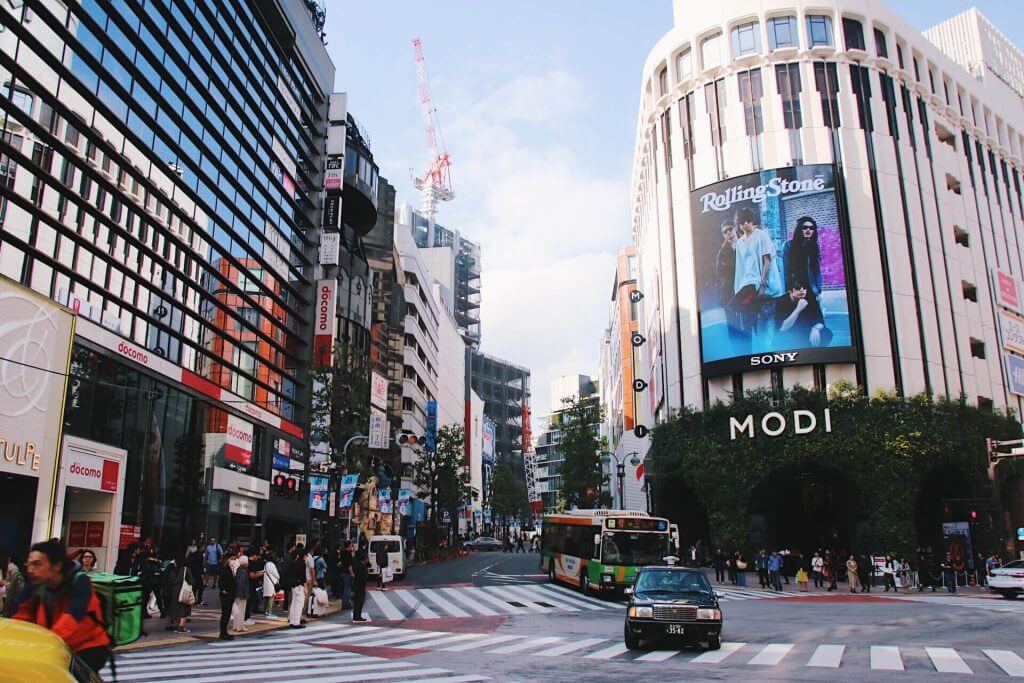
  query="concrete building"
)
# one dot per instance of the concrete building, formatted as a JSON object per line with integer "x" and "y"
{"x": 549, "y": 457}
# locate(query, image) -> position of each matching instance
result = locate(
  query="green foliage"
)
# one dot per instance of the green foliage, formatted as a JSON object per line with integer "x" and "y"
{"x": 340, "y": 405}
{"x": 443, "y": 473}
{"x": 508, "y": 494}
{"x": 884, "y": 445}
{"x": 582, "y": 476}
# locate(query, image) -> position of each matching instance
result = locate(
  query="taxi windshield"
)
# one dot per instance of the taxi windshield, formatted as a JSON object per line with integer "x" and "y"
{"x": 662, "y": 581}
{"x": 633, "y": 548}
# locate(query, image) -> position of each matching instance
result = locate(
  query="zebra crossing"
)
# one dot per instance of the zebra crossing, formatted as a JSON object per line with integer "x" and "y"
{"x": 271, "y": 660}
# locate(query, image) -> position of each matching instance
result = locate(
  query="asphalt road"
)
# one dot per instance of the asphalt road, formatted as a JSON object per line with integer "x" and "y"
{"x": 489, "y": 616}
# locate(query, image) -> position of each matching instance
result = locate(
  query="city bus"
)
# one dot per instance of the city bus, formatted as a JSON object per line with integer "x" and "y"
{"x": 602, "y": 550}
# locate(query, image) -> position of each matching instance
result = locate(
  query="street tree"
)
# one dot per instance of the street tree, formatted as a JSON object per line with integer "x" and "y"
{"x": 508, "y": 495}
{"x": 340, "y": 406}
{"x": 443, "y": 473}
{"x": 583, "y": 478}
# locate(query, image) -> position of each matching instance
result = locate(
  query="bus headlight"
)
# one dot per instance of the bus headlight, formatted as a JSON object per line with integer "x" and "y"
{"x": 641, "y": 612}
{"x": 709, "y": 614}
{"x": 606, "y": 578}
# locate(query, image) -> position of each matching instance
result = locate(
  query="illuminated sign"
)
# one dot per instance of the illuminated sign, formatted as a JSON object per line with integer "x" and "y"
{"x": 637, "y": 524}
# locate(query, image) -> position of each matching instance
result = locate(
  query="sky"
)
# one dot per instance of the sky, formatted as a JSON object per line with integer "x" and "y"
{"x": 537, "y": 101}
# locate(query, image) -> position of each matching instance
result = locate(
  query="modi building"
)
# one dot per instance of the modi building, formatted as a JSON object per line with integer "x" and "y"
{"x": 828, "y": 215}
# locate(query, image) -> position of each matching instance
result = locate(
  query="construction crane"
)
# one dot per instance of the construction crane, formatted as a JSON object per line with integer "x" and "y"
{"x": 436, "y": 184}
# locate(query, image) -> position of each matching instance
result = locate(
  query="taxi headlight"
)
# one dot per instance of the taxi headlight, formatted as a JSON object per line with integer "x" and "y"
{"x": 641, "y": 612}
{"x": 709, "y": 614}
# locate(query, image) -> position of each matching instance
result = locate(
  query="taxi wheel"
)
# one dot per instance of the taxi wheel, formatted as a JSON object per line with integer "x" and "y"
{"x": 714, "y": 642}
{"x": 632, "y": 641}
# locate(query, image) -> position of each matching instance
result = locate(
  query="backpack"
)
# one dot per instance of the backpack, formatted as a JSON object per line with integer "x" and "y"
{"x": 120, "y": 598}
{"x": 289, "y": 574}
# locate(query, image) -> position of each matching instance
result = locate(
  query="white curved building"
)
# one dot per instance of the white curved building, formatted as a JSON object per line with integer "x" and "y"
{"x": 888, "y": 188}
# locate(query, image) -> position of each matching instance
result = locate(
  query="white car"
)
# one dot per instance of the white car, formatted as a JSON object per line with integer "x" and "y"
{"x": 1008, "y": 580}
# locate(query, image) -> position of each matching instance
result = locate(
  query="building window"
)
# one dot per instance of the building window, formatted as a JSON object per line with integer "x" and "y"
{"x": 819, "y": 30}
{"x": 961, "y": 236}
{"x": 714, "y": 100}
{"x": 819, "y": 377}
{"x": 826, "y": 80}
{"x": 684, "y": 65}
{"x": 686, "y": 117}
{"x": 751, "y": 93}
{"x": 881, "y": 48}
{"x": 970, "y": 291}
{"x": 711, "y": 51}
{"x": 778, "y": 390}
{"x": 787, "y": 79}
{"x": 250, "y": 282}
{"x": 861, "y": 81}
{"x": 663, "y": 81}
{"x": 19, "y": 98}
{"x": 666, "y": 137}
{"x": 746, "y": 39}
{"x": 977, "y": 348}
{"x": 782, "y": 32}
{"x": 853, "y": 34}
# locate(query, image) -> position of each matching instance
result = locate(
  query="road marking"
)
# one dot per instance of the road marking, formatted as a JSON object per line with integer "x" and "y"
{"x": 421, "y": 609}
{"x": 493, "y": 640}
{"x": 345, "y": 678}
{"x": 181, "y": 667}
{"x": 458, "y": 595}
{"x": 1008, "y": 661}
{"x": 447, "y": 679}
{"x": 946, "y": 660}
{"x": 396, "y": 637}
{"x": 386, "y": 606}
{"x": 505, "y": 592}
{"x": 570, "y": 647}
{"x": 444, "y": 638}
{"x": 533, "y": 597}
{"x": 570, "y": 601}
{"x": 772, "y": 654}
{"x": 230, "y": 673}
{"x": 506, "y": 608}
{"x": 828, "y": 656}
{"x": 886, "y": 657}
{"x": 519, "y": 647}
{"x": 717, "y": 656}
{"x": 443, "y": 603}
{"x": 608, "y": 652}
{"x": 579, "y": 596}
{"x": 658, "y": 656}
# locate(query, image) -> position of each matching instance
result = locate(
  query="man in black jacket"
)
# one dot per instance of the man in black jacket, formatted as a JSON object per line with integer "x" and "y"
{"x": 226, "y": 588}
{"x": 360, "y": 575}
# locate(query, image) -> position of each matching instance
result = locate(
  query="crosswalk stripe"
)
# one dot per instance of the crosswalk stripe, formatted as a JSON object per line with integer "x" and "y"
{"x": 507, "y": 590}
{"x": 407, "y": 637}
{"x": 608, "y": 652}
{"x": 886, "y": 657}
{"x": 519, "y": 647}
{"x": 386, "y": 606}
{"x": 418, "y": 607}
{"x": 717, "y": 656}
{"x": 493, "y": 640}
{"x": 658, "y": 656}
{"x": 231, "y": 673}
{"x": 448, "y": 679}
{"x": 505, "y": 608}
{"x": 443, "y": 602}
{"x": 771, "y": 654}
{"x": 570, "y": 647}
{"x": 345, "y": 678}
{"x": 946, "y": 660}
{"x": 443, "y": 638}
{"x": 360, "y": 638}
{"x": 578, "y": 596}
{"x": 459, "y": 596}
{"x": 188, "y": 666}
{"x": 828, "y": 656}
{"x": 545, "y": 589}
{"x": 1010, "y": 662}
{"x": 534, "y": 597}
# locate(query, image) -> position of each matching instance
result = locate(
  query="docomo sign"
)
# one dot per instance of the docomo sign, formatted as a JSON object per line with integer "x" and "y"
{"x": 326, "y": 303}
{"x": 238, "y": 446}
{"x": 93, "y": 473}
{"x": 774, "y": 424}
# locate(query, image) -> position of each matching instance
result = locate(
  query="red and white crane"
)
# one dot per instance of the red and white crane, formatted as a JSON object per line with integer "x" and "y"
{"x": 436, "y": 184}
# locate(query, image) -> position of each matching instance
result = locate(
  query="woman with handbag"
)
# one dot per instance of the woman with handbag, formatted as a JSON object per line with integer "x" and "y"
{"x": 741, "y": 569}
{"x": 178, "y": 596}
{"x": 271, "y": 581}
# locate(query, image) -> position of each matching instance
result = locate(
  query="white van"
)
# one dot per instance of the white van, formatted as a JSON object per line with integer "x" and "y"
{"x": 395, "y": 547}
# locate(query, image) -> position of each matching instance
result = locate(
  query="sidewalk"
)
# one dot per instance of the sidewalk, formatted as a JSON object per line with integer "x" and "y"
{"x": 844, "y": 589}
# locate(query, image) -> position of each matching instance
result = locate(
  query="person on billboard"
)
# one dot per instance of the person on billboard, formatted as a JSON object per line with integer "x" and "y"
{"x": 799, "y": 322}
{"x": 757, "y": 273}
{"x": 802, "y": 256}
{"x": 725, "y": 269}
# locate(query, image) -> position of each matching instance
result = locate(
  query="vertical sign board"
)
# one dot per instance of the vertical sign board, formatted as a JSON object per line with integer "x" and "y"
{"x": 238, "y": 445}
{"x": 1011, "y": 328}
{"x": 378, "y": 390}
{"x": 35, "y": 350}
{"x": 332, "y": 212}
{"x": 431, "y": 435}
{"x": 378, "y": 429}
{"x": 1007, "y": 290}
{"x": 330, "y": 248}
{"x": 318, "y": 493}
{"x": 333, "y": 175}
{"x": 323, "y": 336}
{"x": 1015, "y": 372}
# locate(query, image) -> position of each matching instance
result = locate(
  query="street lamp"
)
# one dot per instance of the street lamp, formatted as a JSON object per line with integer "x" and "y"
{"x": 620, "y": 466}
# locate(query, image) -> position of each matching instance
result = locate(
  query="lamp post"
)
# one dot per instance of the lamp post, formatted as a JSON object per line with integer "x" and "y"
{"x": 620, "y": 467}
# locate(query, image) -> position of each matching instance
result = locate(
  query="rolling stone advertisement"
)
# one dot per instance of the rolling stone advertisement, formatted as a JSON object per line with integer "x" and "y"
{"x": 771, "y": 277}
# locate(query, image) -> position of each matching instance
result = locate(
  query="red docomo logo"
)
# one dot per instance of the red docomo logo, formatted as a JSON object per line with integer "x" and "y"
{"x": 134, "y": 354}
{"x": 324, "y": 308}
{"x": 240, "y": 435}
{"x": 78, "y": 468}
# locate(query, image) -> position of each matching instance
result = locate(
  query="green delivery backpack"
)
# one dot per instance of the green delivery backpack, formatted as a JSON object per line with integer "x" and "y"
{"x": 121, "y": 600}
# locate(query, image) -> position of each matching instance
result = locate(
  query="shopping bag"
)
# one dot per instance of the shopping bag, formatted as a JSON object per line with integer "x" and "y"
{"x": 152, "y": 609}
{"x": 185, "y": 595}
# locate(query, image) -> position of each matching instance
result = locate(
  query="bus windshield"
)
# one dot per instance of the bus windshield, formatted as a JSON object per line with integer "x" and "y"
{"x": 633, "y": 548}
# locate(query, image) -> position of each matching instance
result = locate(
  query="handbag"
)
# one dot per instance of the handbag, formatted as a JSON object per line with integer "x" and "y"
{"x": 185, "y": 595}
{"x": 151, "y": 607}
{"x": 740, "y": 564}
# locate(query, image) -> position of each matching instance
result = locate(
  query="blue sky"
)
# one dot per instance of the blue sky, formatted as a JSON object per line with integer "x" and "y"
{"x": 537, "y": 101}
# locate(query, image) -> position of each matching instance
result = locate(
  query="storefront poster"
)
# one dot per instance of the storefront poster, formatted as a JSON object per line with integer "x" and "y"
{"x": 91, "y": 472}
{"x": 378, "y": 390}
{"x": 76, "y": 533}
{"x": 957, "y": 537}
{"x": 1007, "y": 290}
{"x": 238, "y": 445}
{"x": 1011, "y": 327}
{"x": 347, "y": 490}
{"x": 94, "y": 534}
{"x": 1015, "y": 373}
{"x": 129, "y": 534}
{"x": 403, "y": 501}
{"x": 384, "y": 501}
{"x": 280, "y": 462}
{"x": 318, "y": 493}
{"x": 770, "y": 272}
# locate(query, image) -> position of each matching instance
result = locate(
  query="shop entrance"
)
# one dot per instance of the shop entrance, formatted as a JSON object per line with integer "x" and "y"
{"x": 802, "y": 509}
{"x": 17, "y": 501}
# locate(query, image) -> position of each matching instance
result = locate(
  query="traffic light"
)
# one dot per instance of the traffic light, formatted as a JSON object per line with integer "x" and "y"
{"x": 284, "y": 486}
{"x": 411, "y": 440}
{"x": 974, "y": 515}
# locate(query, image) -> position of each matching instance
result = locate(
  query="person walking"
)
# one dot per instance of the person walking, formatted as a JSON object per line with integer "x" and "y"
{"x": 213, "y": 554}
{"x": 226, "y": 593}
{"x": 761, "y": 564}
{"x": 774, "y": 568}
{"x": 320, "y": 570}
{"x": 360, "y": 576}
{"x": 60, "y": 598}
{"x": 817, "y": 568}
{"x": 149, "y": 575}
{"x": 905, "y": 573}
{"x": 521, "y": 543}
{"x": 741, "y": 569}
{"x": 271, "y": 580}
{"x": 718, "y": 561}
{"x": 304, "y": 578}
{"x": 889, "y": 570}
{"x": 801, "y": 578}
{"x": 196, "y": 572}
{"x": 866, "y": 572}
{"x": 175, "y": 577}
{"x": 949, "y": 574}
{"x": 383, "y": 566}
{"x": 240, "y": 568}
{"x": 852, "y": 575}
{"x": 345, "y": 568}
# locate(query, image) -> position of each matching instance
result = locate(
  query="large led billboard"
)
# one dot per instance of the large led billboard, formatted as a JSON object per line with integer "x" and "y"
{"x": 770, "y": 272}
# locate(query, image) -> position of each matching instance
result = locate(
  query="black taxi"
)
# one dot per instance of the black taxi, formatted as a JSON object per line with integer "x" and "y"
{"x": 675, "y": 603}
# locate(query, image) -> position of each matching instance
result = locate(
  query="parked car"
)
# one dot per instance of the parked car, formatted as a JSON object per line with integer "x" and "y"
{"x": 675, "y": 603}
{"x": 483, "y": 543}
{"x": 1008, "y": 580}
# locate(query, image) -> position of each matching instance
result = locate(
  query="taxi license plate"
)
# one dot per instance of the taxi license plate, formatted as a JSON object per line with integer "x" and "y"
{"x": 675, "y": 629}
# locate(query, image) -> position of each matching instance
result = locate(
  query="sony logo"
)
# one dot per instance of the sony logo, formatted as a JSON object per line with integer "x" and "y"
{"x": 769, "y": 358}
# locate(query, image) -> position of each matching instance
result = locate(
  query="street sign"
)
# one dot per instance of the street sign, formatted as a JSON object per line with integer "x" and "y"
{"x": 378, "y": 429}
